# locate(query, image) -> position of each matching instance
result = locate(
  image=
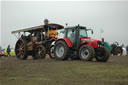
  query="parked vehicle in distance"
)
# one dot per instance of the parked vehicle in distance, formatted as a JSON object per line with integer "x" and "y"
{"x": 12, "y": 52}
{"x": 2, "y": 52}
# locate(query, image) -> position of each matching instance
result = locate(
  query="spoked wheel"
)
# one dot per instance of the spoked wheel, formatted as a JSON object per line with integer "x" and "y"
{"x": 40, "y": 52}
{"x": 21, "y": 49}
{"x": 86, "y": 52}
{"x": 61, "y": 50}
{"x": 51, "y": 54}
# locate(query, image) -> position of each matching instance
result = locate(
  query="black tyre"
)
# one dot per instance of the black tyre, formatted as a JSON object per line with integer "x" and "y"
{"x": 75, "y": 56}
{"x": 86, "y": 52}
{"x": 61, "y": 50}
{"x": 40, "y": 52}
{"x": 21, "y": 49}
{"x": 51, "y": 52}
{"x": 102, "y": 55}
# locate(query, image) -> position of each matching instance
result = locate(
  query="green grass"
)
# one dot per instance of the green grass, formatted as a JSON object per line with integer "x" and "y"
{"x": 52, "y": 72}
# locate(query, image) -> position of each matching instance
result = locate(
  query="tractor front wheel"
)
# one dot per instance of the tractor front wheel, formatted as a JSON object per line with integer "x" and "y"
{"x": 102, "y": 55}
{"x": 61, "y": 50}
{"x": 86, "y": 52}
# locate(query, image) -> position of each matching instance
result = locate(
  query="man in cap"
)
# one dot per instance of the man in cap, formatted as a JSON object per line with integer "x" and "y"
{"x": 46, "y": 27}
{"x": 50, "y": 31}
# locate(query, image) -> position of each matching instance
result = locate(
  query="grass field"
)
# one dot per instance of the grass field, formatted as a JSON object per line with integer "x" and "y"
{"x": 53, "y": 72}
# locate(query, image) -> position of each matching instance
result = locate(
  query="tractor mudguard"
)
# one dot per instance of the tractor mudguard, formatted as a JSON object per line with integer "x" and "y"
{"x": 67, "y": 41}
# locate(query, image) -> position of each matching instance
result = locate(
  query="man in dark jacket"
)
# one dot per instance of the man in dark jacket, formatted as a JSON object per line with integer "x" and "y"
{"x": 49, "y": 33}
{"x": 8, "y": 50}
{"x": 48, "y": 28}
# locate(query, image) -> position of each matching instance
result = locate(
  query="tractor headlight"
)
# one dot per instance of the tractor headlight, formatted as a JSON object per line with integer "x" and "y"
{"x": 99, "y": 43}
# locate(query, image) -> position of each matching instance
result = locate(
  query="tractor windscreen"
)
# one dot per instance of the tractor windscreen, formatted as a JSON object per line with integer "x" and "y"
{"x": 60, "y": 33}
{"x": 83, "y": 33}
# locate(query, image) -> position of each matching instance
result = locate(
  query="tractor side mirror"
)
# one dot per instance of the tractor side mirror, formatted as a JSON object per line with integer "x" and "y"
{"x": 90, "y": 30}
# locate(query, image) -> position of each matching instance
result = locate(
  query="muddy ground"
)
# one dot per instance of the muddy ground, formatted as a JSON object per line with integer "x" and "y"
{"x": 53, "y": 72}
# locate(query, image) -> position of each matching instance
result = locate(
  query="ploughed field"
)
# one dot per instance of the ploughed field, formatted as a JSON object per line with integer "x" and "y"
{"x": 71, "y": 72}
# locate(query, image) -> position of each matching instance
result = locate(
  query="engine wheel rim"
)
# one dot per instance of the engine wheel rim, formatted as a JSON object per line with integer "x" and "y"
{"x": 60, "y": 50}
{"x": 40, "y": 52}
{"x": 51, "y": 51}
{"x": 84, "y": 53}
{"x": 20, "y": 49}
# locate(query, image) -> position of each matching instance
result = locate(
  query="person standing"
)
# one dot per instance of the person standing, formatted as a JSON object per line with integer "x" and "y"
{"x": 8, "y": 50}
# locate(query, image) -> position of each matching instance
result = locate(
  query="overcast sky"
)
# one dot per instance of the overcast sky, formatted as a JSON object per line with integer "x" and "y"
{"x": 110, "y": 16}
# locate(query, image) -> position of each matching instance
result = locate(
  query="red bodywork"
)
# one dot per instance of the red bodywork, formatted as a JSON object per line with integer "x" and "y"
{"x": 89, "y": 41}
{"x": 67, "y": 41}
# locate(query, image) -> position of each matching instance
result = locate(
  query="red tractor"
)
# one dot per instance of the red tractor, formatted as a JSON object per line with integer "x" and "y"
{"x": 77, "y": 45}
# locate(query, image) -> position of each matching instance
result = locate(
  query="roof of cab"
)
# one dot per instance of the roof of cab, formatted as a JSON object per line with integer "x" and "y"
{"x": 75, "y": 27}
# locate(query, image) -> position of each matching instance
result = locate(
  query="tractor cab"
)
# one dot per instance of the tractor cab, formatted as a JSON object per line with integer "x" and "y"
{"x": 78, "y": 35}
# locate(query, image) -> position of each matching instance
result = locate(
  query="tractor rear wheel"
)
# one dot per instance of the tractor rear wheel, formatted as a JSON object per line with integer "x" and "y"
{"x": 40, "y": 52}
{"x": 102, "y": 55}
{"x": 86, "y": 52}
{"x": 21, "y": 49}
{"x": 61, "y": 50}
